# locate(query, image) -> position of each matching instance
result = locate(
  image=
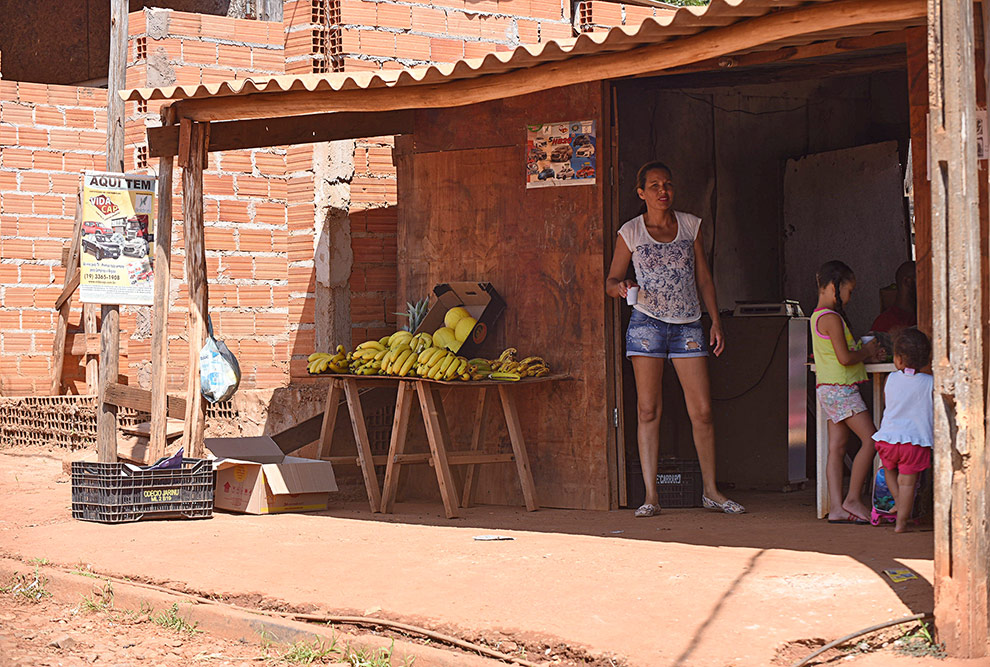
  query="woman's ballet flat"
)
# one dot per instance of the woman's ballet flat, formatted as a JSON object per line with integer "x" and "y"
{"x": 647, "y": 510}
{"x": 729, "y": 506}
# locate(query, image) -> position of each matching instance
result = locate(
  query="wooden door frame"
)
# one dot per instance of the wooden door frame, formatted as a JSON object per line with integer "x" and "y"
{"x": 614, "y": 413}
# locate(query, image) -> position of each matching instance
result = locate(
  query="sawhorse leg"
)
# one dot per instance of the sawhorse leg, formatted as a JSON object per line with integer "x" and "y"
{"x": 485, "y": 400}
{"x": 397, "y": 446}
{"x": 365, "y": 458}
{"x": 436, "y": 434}
{"x": 518, "y": 447}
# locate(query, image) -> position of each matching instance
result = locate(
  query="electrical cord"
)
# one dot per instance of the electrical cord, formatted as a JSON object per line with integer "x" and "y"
{"x": 859, "y": 633}
{"x": 766, "y": 369}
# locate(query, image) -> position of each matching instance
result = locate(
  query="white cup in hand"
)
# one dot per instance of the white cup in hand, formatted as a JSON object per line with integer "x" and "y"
{"x": 632, "y": 295}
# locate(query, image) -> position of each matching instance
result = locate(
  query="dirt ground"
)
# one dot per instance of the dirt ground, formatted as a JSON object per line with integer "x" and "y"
{"x": 50, "y": 633}
{"x": 689, "y": 588}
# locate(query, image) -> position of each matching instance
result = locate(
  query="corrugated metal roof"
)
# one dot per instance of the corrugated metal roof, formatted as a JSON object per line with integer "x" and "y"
{"x": 686, "y": 21}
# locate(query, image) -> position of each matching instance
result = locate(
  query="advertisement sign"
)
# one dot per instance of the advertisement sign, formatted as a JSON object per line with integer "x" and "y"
{"x": 561, "y": 154}
{"x": 117, "y": 236}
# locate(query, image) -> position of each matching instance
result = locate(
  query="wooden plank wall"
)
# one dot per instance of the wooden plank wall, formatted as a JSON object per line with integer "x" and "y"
{"x": 465, "y": 214}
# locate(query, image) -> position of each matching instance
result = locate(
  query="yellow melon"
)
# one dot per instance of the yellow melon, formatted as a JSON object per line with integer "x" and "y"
{"x": 455, "y": 315}
{"x": 443, "y": 336}
{"x": 464, "y": 328}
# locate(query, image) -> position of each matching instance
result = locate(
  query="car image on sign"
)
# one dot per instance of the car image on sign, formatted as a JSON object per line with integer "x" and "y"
{"x": 94, "y": 227}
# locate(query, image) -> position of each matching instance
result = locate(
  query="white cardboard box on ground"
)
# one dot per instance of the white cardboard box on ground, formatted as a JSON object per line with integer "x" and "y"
{"x": 255, "y": 477}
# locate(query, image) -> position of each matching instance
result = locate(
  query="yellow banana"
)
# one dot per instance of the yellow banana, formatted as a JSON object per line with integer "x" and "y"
{"x": 399, "y": 335}
{"x": 451, "y": 370}
{"x": 532, "y": 360}
{"x": 462, "y": 365}
{"x": 407, "y": 364}
{"x": 384, "y": 341}
{"x": 315, "y": 356}
{"x": 437, "y": 357}
{"x": 434, "y": 372}
{"x": 371, "y": 344}
{"x": 341, "y": 350}
{"x": 447, "y": 361}
{"x": 508, "y": 354}
{"x": 381, "y": 355}
{"x": 512, "y": 377}
{"x": 428, "y": 338}
{"x": 426, "y": 354}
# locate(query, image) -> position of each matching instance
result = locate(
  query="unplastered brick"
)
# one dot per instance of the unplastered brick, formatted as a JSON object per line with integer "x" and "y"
{"x": 394, "y": 16}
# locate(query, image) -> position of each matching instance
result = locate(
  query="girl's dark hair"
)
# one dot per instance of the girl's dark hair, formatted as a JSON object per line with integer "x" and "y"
{"x": 913, "y": 347}
{"x": 646, "y": 169}
{"x": 835, "y": 273}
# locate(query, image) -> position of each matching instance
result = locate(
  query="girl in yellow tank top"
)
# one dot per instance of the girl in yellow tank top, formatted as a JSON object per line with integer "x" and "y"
{"x": 839, "y": 369}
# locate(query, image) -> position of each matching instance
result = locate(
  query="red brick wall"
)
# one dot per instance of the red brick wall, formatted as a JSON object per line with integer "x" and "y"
{"x": 600, "y": 15}
{"x": 245, "y": 198}
{"x": 259, "y": 205}
{"x": 48, "y": 134}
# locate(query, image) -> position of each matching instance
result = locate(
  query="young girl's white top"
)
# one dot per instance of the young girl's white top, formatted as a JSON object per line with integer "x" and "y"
{"x": 665, "y": 271}
{"x": 908, "y": 416}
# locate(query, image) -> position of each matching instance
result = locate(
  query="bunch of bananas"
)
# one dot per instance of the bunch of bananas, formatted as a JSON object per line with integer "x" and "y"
{"x": 402, "y": 354}
{"x": 320, "y": 362}
{"x": 507, "y": 368}
{"x": 437, "y": 363}
{"x": 392, "y": 355}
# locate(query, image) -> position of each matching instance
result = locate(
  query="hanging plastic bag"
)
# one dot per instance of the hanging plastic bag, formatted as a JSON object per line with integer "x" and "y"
{"x": 219, "y": 372}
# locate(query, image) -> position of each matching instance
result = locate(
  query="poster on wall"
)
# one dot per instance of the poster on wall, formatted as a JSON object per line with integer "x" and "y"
{"x": 561, "y": 154}
{"x": 117, "y": 235}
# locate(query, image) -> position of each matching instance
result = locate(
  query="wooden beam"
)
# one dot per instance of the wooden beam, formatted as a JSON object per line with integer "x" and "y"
{"x": 741, "y": 36}
{"x": 106, "y": 423}
{"x": 135, "y": 398}
{"x": 192, "y": 215}
{"x": 71, "y": 285}
{"x": 962, "y": 478}
{"x": 158, "y": 441}
{"x": 79, "y": 344}
{"x": 285, "y": 131}
{"x": 64, "y": 305}
{"x": 883, "y": 41}
{"x": 794, "y": 71}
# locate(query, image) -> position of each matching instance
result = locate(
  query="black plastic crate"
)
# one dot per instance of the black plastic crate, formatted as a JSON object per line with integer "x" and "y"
{"x": 679, "y": 483}
{"x": 113, "y": 493}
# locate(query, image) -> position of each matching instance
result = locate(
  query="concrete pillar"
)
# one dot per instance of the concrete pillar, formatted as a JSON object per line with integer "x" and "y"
{"x": 333, "y": 166}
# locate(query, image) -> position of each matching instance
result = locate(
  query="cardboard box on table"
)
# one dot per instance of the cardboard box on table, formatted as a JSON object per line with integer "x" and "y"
{"x": 255, "y": 477}
{"x": 480, "y": 299}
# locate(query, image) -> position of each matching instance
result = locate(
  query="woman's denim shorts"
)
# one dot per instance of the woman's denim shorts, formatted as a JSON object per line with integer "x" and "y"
{"x": 650, "y": 337}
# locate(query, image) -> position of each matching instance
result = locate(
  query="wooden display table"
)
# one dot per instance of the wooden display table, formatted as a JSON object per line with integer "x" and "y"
{"x": 440, "y": 457}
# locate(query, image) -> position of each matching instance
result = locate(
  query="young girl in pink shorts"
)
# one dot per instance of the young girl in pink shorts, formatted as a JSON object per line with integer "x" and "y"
{"x": 906, "y": 433}
{"x": 839, "y": 369}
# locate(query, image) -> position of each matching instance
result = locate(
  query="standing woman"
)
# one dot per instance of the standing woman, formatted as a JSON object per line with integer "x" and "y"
{"x": 667, "y": 252}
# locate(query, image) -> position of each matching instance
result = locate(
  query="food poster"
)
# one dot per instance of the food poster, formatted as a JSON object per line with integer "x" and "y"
{"x": 117, "y": 237}
{"x": 561, "y": 154}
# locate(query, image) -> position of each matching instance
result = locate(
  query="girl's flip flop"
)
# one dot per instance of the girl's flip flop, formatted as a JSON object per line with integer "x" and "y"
{"x": 850, "y": 519}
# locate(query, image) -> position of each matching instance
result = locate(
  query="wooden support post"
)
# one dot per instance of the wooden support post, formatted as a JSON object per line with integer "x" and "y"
{"x": 917, "y": 70}
{"x": 65, "y": 307}
{"x": 159, "y": 312}
{"x": 192, "y": 215}
{"x": 106, "y": 424}
{"x": 962, "y": 532}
